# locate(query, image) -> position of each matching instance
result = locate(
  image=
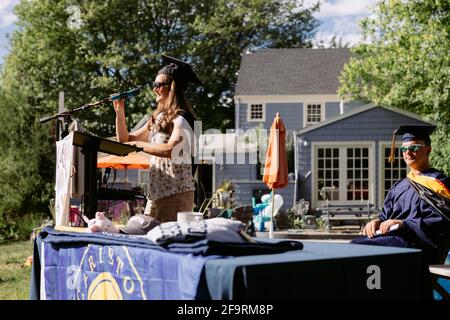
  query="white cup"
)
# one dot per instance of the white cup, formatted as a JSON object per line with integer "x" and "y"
{"x": 189, "y": 216}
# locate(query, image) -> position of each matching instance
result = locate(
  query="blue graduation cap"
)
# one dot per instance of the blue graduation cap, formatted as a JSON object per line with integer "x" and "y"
{"x": 411, "y": 133}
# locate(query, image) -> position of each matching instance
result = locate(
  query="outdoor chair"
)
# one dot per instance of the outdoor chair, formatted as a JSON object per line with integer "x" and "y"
{"x": 441, "y": 271}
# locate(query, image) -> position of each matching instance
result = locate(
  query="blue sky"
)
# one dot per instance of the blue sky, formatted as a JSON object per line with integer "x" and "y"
{"x": 338, "y": 17}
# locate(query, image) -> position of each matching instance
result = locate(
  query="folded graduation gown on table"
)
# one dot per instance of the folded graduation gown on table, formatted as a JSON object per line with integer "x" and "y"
{"x": 198, "y": 245}
{"x": 216, "y": 236}
{"x": 207, "y": 247}
{"x": 61, "y": 237}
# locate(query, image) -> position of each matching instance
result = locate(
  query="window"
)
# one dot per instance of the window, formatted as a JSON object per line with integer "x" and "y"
{"x": 256, "y": 112}
{"x": 343, "y": 173}
{"x": 328, "y": 173}
{"x": 313, "y": 113}
{"x": 394, "y": 172}
{"x": 357, "y": 173}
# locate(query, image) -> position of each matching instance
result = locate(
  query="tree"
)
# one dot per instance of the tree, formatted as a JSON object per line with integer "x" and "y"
{"x": 405, "y": 63}
{"x": 24, "y": 158}
{"x": 90, "y": 49}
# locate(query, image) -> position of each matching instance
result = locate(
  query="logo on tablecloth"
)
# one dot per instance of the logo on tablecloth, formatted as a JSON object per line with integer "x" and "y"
{"x": 105, "y": 273}
{"x": 104, "y": 287}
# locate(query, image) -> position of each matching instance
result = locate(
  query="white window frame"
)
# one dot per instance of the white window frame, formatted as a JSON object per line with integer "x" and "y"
{"x": 342, "y": 169}
{"x": 305, "y": 112}
{"x": 381, "y": 146}
{"x": 249, "y": 107}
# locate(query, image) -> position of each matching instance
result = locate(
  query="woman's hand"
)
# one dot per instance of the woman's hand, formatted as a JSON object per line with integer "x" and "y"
{"x": 119, "y": 105}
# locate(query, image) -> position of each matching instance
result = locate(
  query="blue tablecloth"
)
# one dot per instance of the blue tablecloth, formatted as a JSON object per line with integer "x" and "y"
{"x": 322, "y": 270}
{"x": 95, "y": 266}
{"x": 77, "y": 266}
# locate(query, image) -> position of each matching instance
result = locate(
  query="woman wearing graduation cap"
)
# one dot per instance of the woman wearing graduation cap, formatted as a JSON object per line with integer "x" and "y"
{"x": 168, "y": 137}
{"x": 416, "y": 209}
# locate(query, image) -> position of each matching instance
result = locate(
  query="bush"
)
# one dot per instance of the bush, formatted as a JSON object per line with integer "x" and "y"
{"x": 8, "y": 229}
{"x": 28, "y": 223}
{"x": 20, "y": 228}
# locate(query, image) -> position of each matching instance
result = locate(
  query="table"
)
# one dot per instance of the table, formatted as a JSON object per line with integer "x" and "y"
{"x": 321, "y": 271}
{"x": 133, "y": 269}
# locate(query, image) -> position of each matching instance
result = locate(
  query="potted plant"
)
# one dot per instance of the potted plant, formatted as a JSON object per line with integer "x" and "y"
{"x": 225, "y": 193}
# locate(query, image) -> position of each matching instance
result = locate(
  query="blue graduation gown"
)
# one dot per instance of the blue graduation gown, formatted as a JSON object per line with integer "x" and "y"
{"x": 423, "y": 226}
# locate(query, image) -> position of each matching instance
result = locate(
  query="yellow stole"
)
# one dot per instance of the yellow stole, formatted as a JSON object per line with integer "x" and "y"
{"x": 431, "y": 183}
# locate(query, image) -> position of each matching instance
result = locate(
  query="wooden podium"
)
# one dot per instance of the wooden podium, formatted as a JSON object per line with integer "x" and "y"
{"x": 90, "y": 146}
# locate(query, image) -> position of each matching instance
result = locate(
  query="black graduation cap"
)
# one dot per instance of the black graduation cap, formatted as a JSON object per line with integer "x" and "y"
{"x": 410, "y": 133}
{"x": 180, "y": 71}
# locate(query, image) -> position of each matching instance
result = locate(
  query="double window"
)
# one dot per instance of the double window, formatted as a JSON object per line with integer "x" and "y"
{"x": 343, "y": 173}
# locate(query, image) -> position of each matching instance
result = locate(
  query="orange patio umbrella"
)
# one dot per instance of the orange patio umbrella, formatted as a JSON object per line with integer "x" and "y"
{"x": 131, "y": 161}
{"x": 276, "y": 169}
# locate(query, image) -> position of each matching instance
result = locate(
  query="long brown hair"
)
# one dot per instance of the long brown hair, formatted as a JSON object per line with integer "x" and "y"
{"x": 175, "y": 104}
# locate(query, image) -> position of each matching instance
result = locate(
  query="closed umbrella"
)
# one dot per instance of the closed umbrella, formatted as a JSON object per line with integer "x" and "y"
{"x": 131, "y": 161}
{"x": 275, "y": 168}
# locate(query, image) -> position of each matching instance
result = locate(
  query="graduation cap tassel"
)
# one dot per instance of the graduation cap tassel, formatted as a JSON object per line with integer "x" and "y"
{"x": 392, "y": 151}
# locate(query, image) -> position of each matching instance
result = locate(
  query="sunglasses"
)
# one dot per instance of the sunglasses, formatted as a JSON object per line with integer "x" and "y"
{"x": 157, "y": 85}
{"x": 413, "y": 147}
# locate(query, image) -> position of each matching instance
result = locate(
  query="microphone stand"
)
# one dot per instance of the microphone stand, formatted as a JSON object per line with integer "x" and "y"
{"x": 68, "y": 113}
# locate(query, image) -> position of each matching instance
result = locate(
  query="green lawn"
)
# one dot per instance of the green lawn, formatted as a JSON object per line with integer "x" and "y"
{"x": 14, "y": 274}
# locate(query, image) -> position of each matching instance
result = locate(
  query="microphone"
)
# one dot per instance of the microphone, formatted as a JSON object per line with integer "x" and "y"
{"x": 126, "y": 94}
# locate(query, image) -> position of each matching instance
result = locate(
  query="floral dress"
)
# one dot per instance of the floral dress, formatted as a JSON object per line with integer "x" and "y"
{"x": 169, "y": 176}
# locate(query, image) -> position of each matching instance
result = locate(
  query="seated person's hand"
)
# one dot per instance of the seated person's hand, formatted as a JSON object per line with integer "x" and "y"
{"x": 101, "y": 224}
{"x": 386, "y": 225}
{"x": 371, "y": 227}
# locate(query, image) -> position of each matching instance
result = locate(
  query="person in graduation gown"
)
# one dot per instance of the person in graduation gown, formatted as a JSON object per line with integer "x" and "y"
{"x": 415, "y": 213}
{"x": 169, "y": 139}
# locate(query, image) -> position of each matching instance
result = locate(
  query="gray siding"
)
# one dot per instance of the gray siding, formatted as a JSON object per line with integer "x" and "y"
{"x": 348, "y": 106}
{"x": 243, "y": 124}
{"x": 303, "y": 167}
{"x": 244, "y": 192}
{"x": 291, "y": 113}
{"x": 234, "y": 172}
{"x": 332, "y": 109}
{"x": 375, "y": 124}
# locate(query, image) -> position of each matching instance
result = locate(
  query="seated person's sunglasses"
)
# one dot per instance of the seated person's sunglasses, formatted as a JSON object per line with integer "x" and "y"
{"x": 413, "y": 147}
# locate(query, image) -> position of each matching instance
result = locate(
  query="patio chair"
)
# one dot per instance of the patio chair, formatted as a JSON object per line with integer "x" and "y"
{"x": 441, "y": 271}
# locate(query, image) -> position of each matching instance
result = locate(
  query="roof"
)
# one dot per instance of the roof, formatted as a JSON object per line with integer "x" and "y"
{"x": 358, "y": 110}
{"x": 291, "y": 71}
